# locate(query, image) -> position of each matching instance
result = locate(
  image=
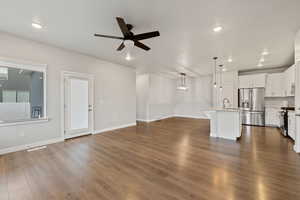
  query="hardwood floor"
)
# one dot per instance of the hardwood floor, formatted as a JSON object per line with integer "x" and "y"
{"x": 168, "y": 159}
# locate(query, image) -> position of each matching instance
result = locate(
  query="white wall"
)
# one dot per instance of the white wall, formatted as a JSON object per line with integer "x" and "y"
{"x": 197, "y": 98}
{"x": 161, "y": 99}
{"x": 155, "y": 97}
{"x": 142, "y": 90}
{"x": 158, "y": 97}
{"x": 115, "y": 97}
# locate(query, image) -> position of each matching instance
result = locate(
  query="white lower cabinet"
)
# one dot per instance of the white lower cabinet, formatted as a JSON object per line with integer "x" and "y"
{"x": 292, "y": 125}
{"x": 272, "y": 117}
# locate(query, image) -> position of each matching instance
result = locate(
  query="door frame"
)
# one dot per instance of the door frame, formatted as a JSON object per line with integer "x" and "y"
{"x": 91, "y": 78}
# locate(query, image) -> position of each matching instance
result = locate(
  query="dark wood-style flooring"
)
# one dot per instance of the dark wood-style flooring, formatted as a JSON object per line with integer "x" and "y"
{"x": 172, "y": 159}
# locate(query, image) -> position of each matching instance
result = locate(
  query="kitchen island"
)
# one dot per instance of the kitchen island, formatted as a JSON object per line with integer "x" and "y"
{"x": 225, "y": 123}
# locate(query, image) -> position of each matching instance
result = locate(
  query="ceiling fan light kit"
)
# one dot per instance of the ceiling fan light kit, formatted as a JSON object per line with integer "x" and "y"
{"x": 129, "y": 38}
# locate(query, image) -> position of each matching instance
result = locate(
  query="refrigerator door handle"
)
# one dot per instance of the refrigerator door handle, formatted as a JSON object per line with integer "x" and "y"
{"x": 251, "y": 99}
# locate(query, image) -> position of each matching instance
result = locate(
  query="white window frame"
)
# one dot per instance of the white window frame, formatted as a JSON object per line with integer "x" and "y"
{"x": 32, "y": 67}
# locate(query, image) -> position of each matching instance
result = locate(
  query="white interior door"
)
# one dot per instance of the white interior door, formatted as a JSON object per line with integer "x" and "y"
{"x": 297, "y": 107}
{"x": 78, "y": 106}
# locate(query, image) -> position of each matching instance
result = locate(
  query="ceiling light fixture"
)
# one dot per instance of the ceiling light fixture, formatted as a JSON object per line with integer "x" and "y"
{"x": 229, "y": 60}
{"x": 265, "y": 53}
{"x": 218, "y": 29}
{"x": 129, "y": 44}
{"x": 262, "y": 60}
{"x": 182, "y": 85}
{"x": 36, "y": 25}
{"x": 224, "y": 69}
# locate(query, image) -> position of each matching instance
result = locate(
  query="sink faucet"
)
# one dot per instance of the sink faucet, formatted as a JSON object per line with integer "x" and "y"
{"x": 225, "y": 101}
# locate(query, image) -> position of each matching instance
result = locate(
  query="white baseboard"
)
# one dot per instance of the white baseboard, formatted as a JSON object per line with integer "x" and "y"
{"x": 114, "y": 128}
{"x": 153, "y": 120}
{"x": 78, "y": 135}
{"x": 170, "y": 116}
{"x": 190, "y": 116}
{"x": 142, "y": 120}
{"x": 29, "y": 146}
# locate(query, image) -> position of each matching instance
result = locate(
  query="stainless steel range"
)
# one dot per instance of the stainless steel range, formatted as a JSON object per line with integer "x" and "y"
{"x": 252, "y": 104}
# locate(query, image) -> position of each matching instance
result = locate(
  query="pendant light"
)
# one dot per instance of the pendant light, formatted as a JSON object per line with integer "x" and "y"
{"x": 182, "y": 85}
{"x": 215, "y": 72}
{"x": 221, "y": 71}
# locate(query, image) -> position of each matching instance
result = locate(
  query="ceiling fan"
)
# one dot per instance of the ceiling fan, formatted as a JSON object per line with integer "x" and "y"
{"x": 129, "y": 38}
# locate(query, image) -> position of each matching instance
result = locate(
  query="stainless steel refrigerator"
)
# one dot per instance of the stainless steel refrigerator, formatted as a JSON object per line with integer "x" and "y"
{"x": 252, "y": 104}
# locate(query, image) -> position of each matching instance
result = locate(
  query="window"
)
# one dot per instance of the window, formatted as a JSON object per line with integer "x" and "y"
{"x": 9, "y": 96}
{"x": 22, "y": 90}
{"x": 23, "y": 96}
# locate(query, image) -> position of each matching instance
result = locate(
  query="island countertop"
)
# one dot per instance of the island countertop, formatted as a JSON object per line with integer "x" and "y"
{"x": 225, "y": 122}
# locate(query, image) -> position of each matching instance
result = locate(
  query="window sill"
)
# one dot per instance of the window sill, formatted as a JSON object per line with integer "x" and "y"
{"x": 23, "y": 122}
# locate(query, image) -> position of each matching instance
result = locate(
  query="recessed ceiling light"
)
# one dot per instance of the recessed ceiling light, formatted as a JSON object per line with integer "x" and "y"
{"x": 229, "y": 60}
{"x": 218, "y": 29}
{"x": 36, "y": 25}
{"x": 260, "y": 65}
{"x": 265, "y": 53}
{"x": 224, "y": 69}
{"x": 262, "y": 60}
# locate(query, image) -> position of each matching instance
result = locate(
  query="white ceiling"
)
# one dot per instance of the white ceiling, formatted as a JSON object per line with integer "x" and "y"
{"x": 187, "y": 39}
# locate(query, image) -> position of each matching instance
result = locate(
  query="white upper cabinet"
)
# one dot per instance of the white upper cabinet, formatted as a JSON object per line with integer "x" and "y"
{"x": 252, "y": 81}
{"x": 275, "y": 85}
{"x": 289, "y": 81}
{"x": 259, "y": 80}
{"x": 244, "y": 82}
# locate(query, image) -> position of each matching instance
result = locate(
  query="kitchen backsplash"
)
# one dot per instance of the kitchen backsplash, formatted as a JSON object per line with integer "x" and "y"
{"x": 277, "y": 102}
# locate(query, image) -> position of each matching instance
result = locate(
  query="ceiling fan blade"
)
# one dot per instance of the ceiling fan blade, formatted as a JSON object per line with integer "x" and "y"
{"x": 141, "y": 45}
{"x": 109, "y": 36}
{"x": 122, "y": 46}
{"x": 144, "y": 36}
{"x": 123, "y": 26}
